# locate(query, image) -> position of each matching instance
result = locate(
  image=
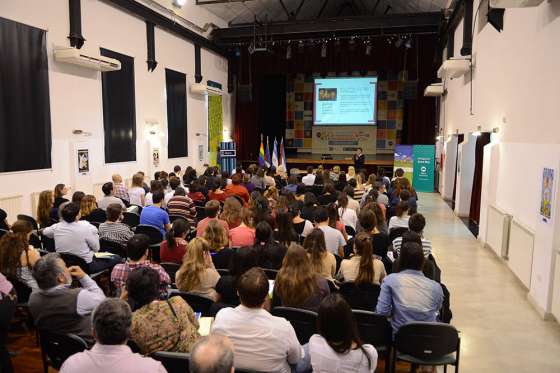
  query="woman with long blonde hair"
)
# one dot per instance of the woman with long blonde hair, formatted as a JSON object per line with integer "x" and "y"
{"x": 44, "y": 208}
{"x": 351, "y": 174}
{"x": 217, "y": 238}
{"x": 297, "y": 284}
{"x": 197, "y": 273}
{"x": 89, "y": 210}
{"x": 231, "y": 212}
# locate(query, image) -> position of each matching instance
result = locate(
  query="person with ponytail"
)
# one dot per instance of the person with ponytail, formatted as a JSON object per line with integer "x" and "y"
{"x": 17, "y": 257}
{"x": 362, "y": 267}
{"x": 174, "y": 247}
{"x": 322, "y": 261}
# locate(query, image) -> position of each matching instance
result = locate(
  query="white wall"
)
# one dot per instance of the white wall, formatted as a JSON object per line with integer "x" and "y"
{"x": 76, "y": 101}
{"x": 515, "y": 87}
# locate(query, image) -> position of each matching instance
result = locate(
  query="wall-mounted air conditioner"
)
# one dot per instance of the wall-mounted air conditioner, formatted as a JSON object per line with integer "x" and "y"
{"x": 78, "y": 57}
{"x": 454, "y": 68}
{"x": 434, "y": 90}
{"x": 514, "y": 3}
{"x": 203, "y": 89}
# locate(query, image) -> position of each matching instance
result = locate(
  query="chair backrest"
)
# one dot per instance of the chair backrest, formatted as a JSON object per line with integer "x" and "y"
{"x": 200, "y": 213}
{"x": 174, "y": 362}
{"x": 48, "y": 243}
{"x": 374, "y": 329}
{"x": 73, "y": 260}
{"x": 197, "y": 302}
{"x": 113, "y": 247}
{"x": 396, "y": 232}
{"x": 223, "y": 271}
{"x": 303, "y": 321}
{"x": 99, "y": 219}
{"x": 131, "y": 219}
{"x": 153, "y": 233}
{"x": 29, "y": 219}
{"x": 427, "y": 340}
{"x": 56, "y": 348}
{"x": 363, "y": 297}
{"x": 172, "y": 218}
{"x": 96, "y": 224}
{"x": 171, "y": 269}
{"x": 270, "y": 273}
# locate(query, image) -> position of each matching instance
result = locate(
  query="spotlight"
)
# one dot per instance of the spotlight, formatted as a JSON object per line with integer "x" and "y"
{"x": 477, "y": 132}
{"x": 301, "y": 46}
{"x": 289, "y": 52}
{"x": 368, "y": 50}
{"x": 408, "y": 43}
{"x": 324, "y": 50}
{"x": 179, "y": 3}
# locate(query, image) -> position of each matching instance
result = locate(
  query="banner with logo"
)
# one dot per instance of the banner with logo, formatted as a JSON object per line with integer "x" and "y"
{"x": 404, "y": 160}
{"x": 424, "y": 166}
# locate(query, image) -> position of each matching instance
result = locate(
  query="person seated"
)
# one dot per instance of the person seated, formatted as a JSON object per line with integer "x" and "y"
{"x": 258, "y": 180}
{"x": 212, "y": 208}
{"x": 334, "y": 240}
{"x": 137, "y": 252}
{"x": 269, "y": 179}
{"x": 17, "y": 256}
{"x": 362, "y": 267}
{"x": 271, "y": 254}
{"x": 369, "y": 224}
{"x": 416, "y": 224}
{"x": 189, "y": 176}
{"x": 285, "y": 233}
{"x": 137, "y": 193}
{"x": 341, "y": 183}
{"x": 60, "y": 191}
{"x": 237, "y": 189}
{"x": 352, "y": 203}
{"x": 322, "y": 261}
{"x": 310, "y": 206}
{"x": 155, "y": 185}
{"x": 109, "y": 197}
{"x": 329, "y": 195}
{"x": 113, "y": 229}
{"x": 197, "y": 273}
{"x": 4, "y": 220}
{"x": 177, "y": 171}
{"x": 174, "y": 247}
{"x": 292, "y": 184}
{"x": 182, "y": 206}
{"x": 231, "y": 213}
{"x": 111, "y": 327}
{"x": 212, "y": 354}
{"x": 297, "y": 284}
{"x": 309, "y": 179}
{"x": 45, "y": 209}
{"x": 242, "y": 260}
{"x": 195, "y": 192}
{"x": 246, "y": 182}
{"x": 409, "y": 296}
{"x": 77, "y": 197}
{"x": 58, "y": 308}
{"x": 347, "y": 215}
{"x": 155, "y": 215}
{"x": 89, "y": 210}
{"x": 302, "y": 226}
{"x": 262, "y": 342}
{"x": 244, "y": 234}
{"x": 217, "y": 238}
{"x": 337, "y": 346}
{"x": 174, "y": 183}
{"x": 158, "y": 325}
{"x": 335, "y": 221}
{"x": 8, "y": 306}
{"x": 217, "y": 192}
{"x": 79, "y": 238}
{"x": 119, "y": 189}
{"x": 400, "y": 220}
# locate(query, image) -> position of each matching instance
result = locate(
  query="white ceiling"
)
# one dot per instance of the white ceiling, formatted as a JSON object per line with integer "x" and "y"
{"x": 272, "y": 10}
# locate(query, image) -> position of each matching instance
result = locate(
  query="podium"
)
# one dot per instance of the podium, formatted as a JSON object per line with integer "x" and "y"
{"x": 227, "y": 156}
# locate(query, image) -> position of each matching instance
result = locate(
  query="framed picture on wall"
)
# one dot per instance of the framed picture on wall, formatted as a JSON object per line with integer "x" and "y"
{"x": 155, "y": 157}
{"x": 83, "y": 161}
{"x": 547, "y": 193}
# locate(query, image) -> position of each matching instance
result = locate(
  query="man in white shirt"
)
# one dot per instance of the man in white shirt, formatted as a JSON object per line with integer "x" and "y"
{"x": 261, "y": 341}
{"x": 109, "y": 198}
{"x": 334, "y": 240}
{"x": 309, "y": 179}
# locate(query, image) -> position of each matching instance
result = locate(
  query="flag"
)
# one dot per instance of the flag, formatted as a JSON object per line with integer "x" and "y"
{"x": 267, "y": 162}
{"x": 261, "y": 153}
{"x": 283, "y": 155}
{"x": 275, "y": 154}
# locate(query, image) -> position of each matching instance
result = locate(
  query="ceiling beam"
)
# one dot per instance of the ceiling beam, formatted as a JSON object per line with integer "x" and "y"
{"x": 393, "y": 23}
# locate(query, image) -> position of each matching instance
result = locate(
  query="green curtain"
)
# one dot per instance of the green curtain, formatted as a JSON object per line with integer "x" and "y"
{"x": 215, "y": 128}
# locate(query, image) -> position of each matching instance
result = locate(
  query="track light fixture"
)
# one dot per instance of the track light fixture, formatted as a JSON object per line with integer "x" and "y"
{"x": 324, "y": 50}
{"x": 289, "y": 52}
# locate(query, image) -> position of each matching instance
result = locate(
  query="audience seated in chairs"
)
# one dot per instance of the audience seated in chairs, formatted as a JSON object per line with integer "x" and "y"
{"x": 89, "y": 210}
{"x": 261, "y": 341}
{"x": 297, "y": 284}
{"x": 400, "y": 220}
{"x": 174, "y": 247}
{"x": 322, "y": 261}
{"x": 113, "y": 230}
{"x": 285, "y": 233}
{"x": 109, "y": 197}
{"x": 380, "y": 241}
{"x": 362, "y": 267}
{"x": 212, "y": 354}
{"x": 182, "y": 206}
{"x": 158, "y": 325}
{"x": 17, "y": 256}
{"x": 45, "y": 209}
{"x": 174, "y": 183}
{"x": 303, "y": 227}
{"x": 60, "y": 191}
{"x": 236, "y": 188}
{"x": 211, "y": 208}
{"x": 137, "y": 193}
{"x": 79, "y": 238}
{"x": 231, "y": 212}
{"x": 243, "y": 259}
{"x": 56, "y": 307}
{"x": 155, "y": 185}
{"x": 271, "y": 254}
{"x": 197, "y": 273}
{"x": 334, "y": 240}
{"x": 137, "y": 252}
{"x": 337, "y": 347}
{"x": 416, "y": 224}
{"x": 195, "y": 192}
{"x": 119, "y": 189}
{"x": 155, "y": 215}
{"x": 408, "y": 295}
{"x": 217, "y": 238}
{"x": 348, "y": 216}
{"x": 111, "y": 328}
{"x": 244, "y": 234}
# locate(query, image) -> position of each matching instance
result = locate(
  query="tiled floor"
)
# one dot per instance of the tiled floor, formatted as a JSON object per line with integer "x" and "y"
{"x": 500, "y": 331}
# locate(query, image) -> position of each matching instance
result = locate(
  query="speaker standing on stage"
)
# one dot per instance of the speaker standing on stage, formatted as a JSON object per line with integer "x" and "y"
{"x": 359, "y": 159}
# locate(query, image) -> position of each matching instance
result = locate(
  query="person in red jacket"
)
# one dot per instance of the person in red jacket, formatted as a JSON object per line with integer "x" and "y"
{"x": 236, "y": 189}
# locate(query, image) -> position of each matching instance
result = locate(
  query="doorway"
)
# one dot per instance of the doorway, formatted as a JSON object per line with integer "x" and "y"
{"x": 474, "y": 214}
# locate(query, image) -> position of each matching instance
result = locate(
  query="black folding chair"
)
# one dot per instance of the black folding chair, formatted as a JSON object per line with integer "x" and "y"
{"x": 112, "y": 247}
{"x": 48, "y": 243}
{"x": 376, "y": 330}
{"x": 96, "y": 224}
{"x": 171, "y": 269}
{"x": 56, "y": 348}
{"x": 362, "y": 297}
{"x": 74, "y": 260}
{"x": 172, "y": 218}
{"x": 29, "y": 219}
{"x": 303, "y": 321}
{"x": 197, "y": 302}
{"x": 427, "y": 343}
{"x": 270, "y": 273}
{"x": 173, "y": 362}
{"x": 155, "y": 237}
{"x": 131, "y": 219}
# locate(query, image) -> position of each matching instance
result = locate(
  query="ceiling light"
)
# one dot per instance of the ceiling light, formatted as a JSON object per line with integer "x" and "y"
{"x": 408, "y": 44}
{"x": 324, "y": 50}
{"x": 289, "y": 52}
{"x": 368, "y": 49}
{"x": 477, "y": 132}
{"x": 179, "y": 3}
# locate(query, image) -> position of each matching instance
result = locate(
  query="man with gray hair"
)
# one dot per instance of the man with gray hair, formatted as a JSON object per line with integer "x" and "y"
{"x": 212, "y": 354}
{"x": 111, "y": 329}
{"x": 58, "y": 308}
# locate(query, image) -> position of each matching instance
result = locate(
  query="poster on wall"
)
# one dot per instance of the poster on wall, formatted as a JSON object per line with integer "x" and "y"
{"x": 546, "y": 193}
{"x": 83, "y": 161}
{"x": 404, "y": 160}
{"x": 155, "y": 157}
{"x": 424, "y": 166}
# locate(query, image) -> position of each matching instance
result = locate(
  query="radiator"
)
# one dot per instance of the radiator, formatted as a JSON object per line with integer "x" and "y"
{"x": 34, "y": 203}
{"x": 497, "y": 230}
{"x": 12, "y": 206}
{"x": 520, "y": 251}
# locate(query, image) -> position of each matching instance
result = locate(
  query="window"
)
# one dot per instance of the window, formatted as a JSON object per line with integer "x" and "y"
{"x": 119, "y": 113}
{"x": 176, "y": 88}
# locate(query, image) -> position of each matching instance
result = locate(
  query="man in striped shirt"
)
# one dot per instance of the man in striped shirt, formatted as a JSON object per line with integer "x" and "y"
{"x": 182, "y": 206}
{"x": 416, "y": 224}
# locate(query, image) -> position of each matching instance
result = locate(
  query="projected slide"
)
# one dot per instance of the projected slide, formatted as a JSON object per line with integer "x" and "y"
{"x": 345, "y": 101}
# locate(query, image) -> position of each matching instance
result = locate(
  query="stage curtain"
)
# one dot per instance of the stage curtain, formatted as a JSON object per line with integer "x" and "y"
{"x": 119, "y": 112}
{"x": 177, "y": 137}
{"x": 25, "y": 120}
{"x": 271, "y": 101}
{"x": 215, "y": 127}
